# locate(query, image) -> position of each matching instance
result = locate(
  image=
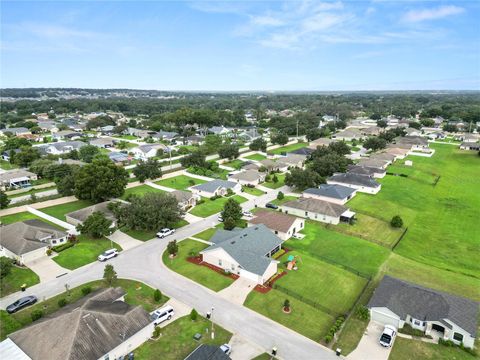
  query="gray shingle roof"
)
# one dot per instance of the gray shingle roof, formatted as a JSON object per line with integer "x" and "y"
{"x": 248, "y": 175}
{"x": 354, "y": 179}
{"x": 213, "y": 185}
{"x": 61, "y": 145}
{"x": 365, "y": 170}
{"x": 82, "y": 214}
{"x": 372, "y": 162}
{"x": 332, "y": 191}
{"x": 207, "y": 352}
{"x": 247, "y": 246}
{"x": 316, "y": 206}
{"x": 405, "y": 298}
{"x": 182, "y": 196}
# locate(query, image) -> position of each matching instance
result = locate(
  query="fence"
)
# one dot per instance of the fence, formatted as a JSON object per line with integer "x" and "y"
{"x": 399, "y": 239}
{"x": 345, "y": 267}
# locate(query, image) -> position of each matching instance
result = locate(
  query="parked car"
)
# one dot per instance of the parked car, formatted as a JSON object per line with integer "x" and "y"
{"x": 247, "y": 214}
{"x": 271, "y": 206}
{"x": 21, "y": 303}
{"x": 108, "y": 254}
{"x": 388, "y": 336}
{"x": 227, "y": 349}
{"x": 165, "y": 232}
{"x": 165, "y": 313}
{"x": 220, "y": 218}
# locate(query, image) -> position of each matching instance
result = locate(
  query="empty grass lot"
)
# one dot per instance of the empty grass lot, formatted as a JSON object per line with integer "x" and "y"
{"x": 198, "y": 273}
{"x": 405, "y": 349}
{"x": 16, "y": 278}
{"x": 181, "y": 182}
{"x": 210, "y": 207}
{"x": 255, "y": 157}
{"x": 287, "y": 148}
{"x": 140, "y": 190}
{"x": 59, "y": 211}
{"x": 176, "y": 341}
{"x": 84, "y": 252}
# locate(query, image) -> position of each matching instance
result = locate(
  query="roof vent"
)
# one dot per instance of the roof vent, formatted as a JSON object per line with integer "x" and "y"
{"x": 256, "y": 227}
{"x": 233, "y": 242}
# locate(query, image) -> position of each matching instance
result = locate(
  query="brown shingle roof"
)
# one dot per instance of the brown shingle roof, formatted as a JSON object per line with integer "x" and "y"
{"x": 274, "y": 220}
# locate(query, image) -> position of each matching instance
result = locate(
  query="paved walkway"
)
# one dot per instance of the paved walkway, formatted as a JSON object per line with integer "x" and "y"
{"x": 71, "y": 228}
{"x": 238, "y": 291}
{"x": 369, "y": 346}
{"x": 159, "y": 187}
{"x": 46, "y": 268}
{"x": 124, "y": 240}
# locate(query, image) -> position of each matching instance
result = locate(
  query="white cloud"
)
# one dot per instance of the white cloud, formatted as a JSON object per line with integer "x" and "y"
{"x": 266, "y": 20}
{"x": 432, "y": 14}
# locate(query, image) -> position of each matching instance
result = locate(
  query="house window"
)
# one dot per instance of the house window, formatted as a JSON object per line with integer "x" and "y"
{"x": 418, "y": 323}
{"x": 276, "y": 232}
{"x": 219, "y": 262}
{"x": 233, "y": 267}
{"x": 306, "y": 213}
{"x": 54, "y": 241}
{"x": 457, "y": 336}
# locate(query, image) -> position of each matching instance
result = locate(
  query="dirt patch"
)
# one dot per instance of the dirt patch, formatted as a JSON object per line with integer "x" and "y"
{"x": 268, "y": 285}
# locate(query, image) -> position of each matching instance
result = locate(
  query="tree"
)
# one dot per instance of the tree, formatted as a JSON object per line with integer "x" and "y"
{"x": 193, "y": 315}
{"x": 172, "y": 247}
{"x": 375, "y": 143}
{"x": 280, "y": 195}
{"x": 314, "y": 134}
{"x": 122, "y": 145}
{"x": 212, "y": 143}
{"x": 157, "y": 295}
{"x": 65, "y": 185}
{"x": 275, "y": 178}
{"x": 4, "y": 200}
{"x": 414, "y": 125}
{"x": 259, "y": 144}
{"x": 396, "y": 221}
{"x": 286, "y": 305}
{"x": 5, "y": 266}
{"x": 303, "y": 179}
{"x": 228, "y": 151}
{"x": 329, "y": 164}
{"x": 446, "y": 127}
{"x": 229, "y": 223}
{"x": 427, "y": 122}
{"x": 280, "y": 138}
{"x": 88, "y": 152}
{"x": 26, "y": 156}
{"x": 196, "y": 158}
{"x": 109, "y": 275}
{"x": 382, "y": 124}
{"x": 232, "y": 209}
{"x": 339, "y": 147}
{"x": 100, "y": 181}
{"x": 96, "y": 225}
{"x": 150, "y": 169}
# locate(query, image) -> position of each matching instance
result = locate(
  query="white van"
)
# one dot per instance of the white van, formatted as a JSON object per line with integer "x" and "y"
{"x": 165, "y": 313}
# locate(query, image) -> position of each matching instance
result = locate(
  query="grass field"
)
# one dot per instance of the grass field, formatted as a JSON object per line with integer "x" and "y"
{"x": 200, "y": 274}
{"x": 85, "y": 252}
{"x": 284, "y": 200}
{"x": 206, "y": 234}
{"x": 59, "y": 211}
{"x": 405, "y": 349}
{"x": 5, "y": 165}
{"x": 256, "y": 157}
{"x": 210, "y": 207}
{"x": 181, "y": 182}
{"x": 140, "y": 190}
{"x": 16, "y": 278}
{"x": 176, "y": 341}
{"x": 280, "y": 183}
{"x": 21, "y": 216}
{"x": 287, "y": 148}
{"x": 234, "y": 164}
{"x": 253, "y": 191}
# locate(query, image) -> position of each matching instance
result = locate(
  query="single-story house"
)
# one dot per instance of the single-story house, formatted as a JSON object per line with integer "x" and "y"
{"x": 216, "y": 188}
{"x": 470, "y": 146}
{"x": 118, "y": 157}
{"x": 282, "y": 225}
{"x": 48, "y": 126}
{"x": 383, "y": 156}
{"x": 318, "y": 210}
{"x": 348, "y": 135}
{"x": 376, "y": 163}
{"x": 17, "y": 178}
{"x": 250, "y": 165}
{"x": 305, "y": 151}
{"x": 414, "y": 143}
{"x": 194, "y": 140}
{"x": 62, "y": 147}
{"x": 371, "y": 131}
{"x": 138, "y": 132}
{"x": 25, "y": 241}
{"x": 320, "y": 142}
{"x": 436, "y": 135}
{"x": 272, "y": 165}
{"x": 398, "y": 152}
{"x": 165, "y": 135}
{"x": 145, "y": 152}
{"x": 249, "y": 134}
{"x": 107, "y": 130}
{"x": 67, "y": 135}
{"x": 103, "y": 142}
{"x": 7, "y": 154}
{"x": 207, "y": 352}
{"x": 397, "y": 302}
{"x": 413, "y": 132}
{"x": 79, "y": 216}
{"x": 245, "y": 252}
{"x": 98, "y": 326}
{"x": 219, "y": 130}
{"x": 295, "y": 160}
{"x": 186, "y": 199}
{"x": 15, "y": 131}
{"x": 248, "y": 177}
{"x": 337, "y": 194}
{"x": 367, "y": 170}
{"x": 362, "y": 183}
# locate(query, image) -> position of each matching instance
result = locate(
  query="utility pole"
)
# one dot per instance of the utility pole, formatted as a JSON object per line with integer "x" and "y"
{"x": 211, "y": 319}
{"x": 297, "y": 129}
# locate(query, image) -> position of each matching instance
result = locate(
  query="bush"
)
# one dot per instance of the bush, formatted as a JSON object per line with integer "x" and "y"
{"x": 86, "y": 290}
{"x": 62, "y": 302}
{"x": 156, "y": 332}
{"x": 191, "y": 182}
{"x": 49, "y": 252}
{"x": 62, "y": 247}
{"x": 193, "y": 315}
{"x": 328, "y": 338}
{"x": 36, "y": 314}
{"x": 362, "y": 313}
{"x": 280, "y": 195}
{"x": 396, "y": 221}
{"x": 201, "y": 201}
{"x": 157, "y": 295}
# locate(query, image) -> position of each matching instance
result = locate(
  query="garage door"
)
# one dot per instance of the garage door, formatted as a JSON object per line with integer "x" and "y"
{"x": 248, "y": 275}
{"x": 384, "y": 319}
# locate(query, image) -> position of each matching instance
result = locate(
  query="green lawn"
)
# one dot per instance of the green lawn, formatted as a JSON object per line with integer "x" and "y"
{"x": 253, "y": 191}
{"x": 126, "y": 137}
{"x": 210, "y": 207}
{"x": 140, "y": 190}
{"x": 176, "y": 340}
{"x": 272, "y": 185}
{"x": 16, "y": 278}
{"x": 21, "y": 216}
{"x": 59, "y": 211}
{"x": 31, "y": 191}
{"x": 256, "y": 157}
{"x": 5, "y": 165}
{"x": 141, "y": 235}
{"x": 288, "y": 148}
{"x": 85, "y": 252}
{"x": 181, "y": 182}
{"x": 284, "y": 200}
{"x": 234, "y": 164}
{"x": 201, "y": 274}
{"x": 206, "y": 234}
{"x": 405, "y": 349}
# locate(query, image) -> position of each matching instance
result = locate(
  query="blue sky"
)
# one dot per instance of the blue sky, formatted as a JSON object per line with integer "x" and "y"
{"x": 251, "y": 45}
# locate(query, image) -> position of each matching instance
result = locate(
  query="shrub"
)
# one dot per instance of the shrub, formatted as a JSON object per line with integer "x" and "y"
{"x": 362, "y": 313}
{"x": 36, "y": 314}
{"x": 49, "y": 252}
{"x": 286, "y": 304}
{"x": 191, "y": 182}
{"x": 193, "y": 315}
{"x": 201, "y": 201}
{"x": 86, "y": 290}
{"x": 229, "y": 192}
{"x": 156, "y": 332}
{"x": 280, "y": 195}
{"x": 157, "y": 295}
{"x": 328, "y": 338}
{"x": 62, "y": 247}
{"x": 396, "y": 221}
{"x": 62, "y": 302}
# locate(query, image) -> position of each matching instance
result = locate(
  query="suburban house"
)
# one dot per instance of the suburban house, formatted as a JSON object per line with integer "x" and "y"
{"x": 376, "y": 163}
{"x": 414, "y": 143}
{"x": 48, "y": 126}
{"x": 215, "y": 188}
{"x": 413, "y": 132}
{"x": 62, "y": 147}
{"x": 305, "y": 151}
{"x": 271, "y": 165}
{"x": 119, "y": 157}
{"x": 371, "y": 131}
{"x": 320, "y": 142}
{"x": 67, "y": 135}
{"x": 145, "y": 152}
{"x": 79, "y": 216}
{"x": 6, "y": 155}
{"x": 249, "y": 165}
{"x": 337, "y": 194}
{"x": 367, "y": 170}
{"x": 248, "y": 177}
{"x": 27, "y": 240}
{"x": 318, "y": 210}
{"x": 138, "y": 132}
{"x": 362, "y": 183}
{"x": 383, "y": 156}
{"x": 245, "y": 252}
{"x": 348, "y": 135}
{"x": 193, "y": 140}
{"x": 219, "y": 130}
{"x": 107, "y": 130}
{"x": 282, "y": 225}
{"x": 398, "y": 152}
{"x": 17, "y": 178}
{"x": 207, "y": 352}
{"x": 15, "y": 131}
{"x": 99, "y": 326}
{"x": 294, "y": 160}
{"x": 103, "y": 143}
{"x": 470, "y": 146}
{"x": 186, "y": 199}
{"x": 165, "y": 136}
{"x": 439, "y": 314}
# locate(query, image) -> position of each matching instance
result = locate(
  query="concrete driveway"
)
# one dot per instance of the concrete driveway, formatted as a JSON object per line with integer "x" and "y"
{"x": 242, "y": 349}
{"x": 369, "y": 346}
{"x": 124, "y": 240}
{"x": 46, "y": 268}
{"x": 238, "y": 291}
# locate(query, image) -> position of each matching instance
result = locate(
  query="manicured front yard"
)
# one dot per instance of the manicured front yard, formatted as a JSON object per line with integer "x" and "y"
{"x": 141, "y": 235}
{"x": 284, "y": 200}
{"x": 210, "y": 207}
{"x": 255, "y": 157}
{"x": 21, "y": 216}
{"x": 200, "y": 274}
{"x": 234, "y": 164}
{"x": 17, "y": 277}
{"x": 5, "y": 165}
{"x": 253, "y": 191}
{"x": 176, "y": 340}
{"x": 59, "y": 211}
{"x": 288, "y": 148}
{"x": 140, "y": 190}
{"x": 206, "y": 234}
{"x": 272, "y": 185}
{"x": 181, "y": 182}
{"x": 405, "y": 349}
{"x": 84, "y": 252}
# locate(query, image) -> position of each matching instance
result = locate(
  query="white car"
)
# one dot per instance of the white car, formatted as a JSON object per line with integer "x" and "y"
{"x": 165, "y": 232}
{"x": 247, "y": 214}
{"x": 227, "y": 349}
{"x": 388, "y": 336}
{"x": 108, "y": 254}
{"x": 163, "y": 314}
{"x": 220, "y": 218}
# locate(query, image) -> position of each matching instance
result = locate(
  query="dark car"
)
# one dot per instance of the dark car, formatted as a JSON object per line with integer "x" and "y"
{"x": 21, "y": 303}
{"x": 271, "y": 206}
